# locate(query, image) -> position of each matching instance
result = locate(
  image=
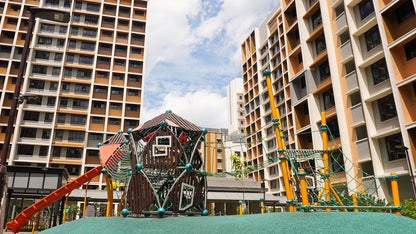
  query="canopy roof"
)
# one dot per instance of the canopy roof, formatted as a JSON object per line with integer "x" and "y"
{"x": 172, "y": 119}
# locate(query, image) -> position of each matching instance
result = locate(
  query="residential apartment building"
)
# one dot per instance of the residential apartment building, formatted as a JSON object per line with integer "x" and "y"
{"x": 84, "y": 79}
{"x": 212, "y": 150}
{"x": 235, "y": 140}
{"x": 355, "y": 61}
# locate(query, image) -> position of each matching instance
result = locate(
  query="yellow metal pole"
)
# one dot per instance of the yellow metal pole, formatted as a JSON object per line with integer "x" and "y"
{"x": 34, "y": 223}
{"x": 120, "y": 205}
{"x": 109, "y": 195}
{"x": 85, "y": 198}
{"x": 241, "y": 207}
{"x": 280, "y": 144}
{"x": 395, "y": 192}
{"x": 337, "y": 197}
{"x": 324, "y": 129}
{"x": 304, "y": 190}
{"x": 66, "y": 202}
{"x": 354, "y": 201}
{"x": 262, "y": 207}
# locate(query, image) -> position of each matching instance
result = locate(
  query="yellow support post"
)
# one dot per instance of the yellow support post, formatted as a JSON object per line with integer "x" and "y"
{"x": 66, "y": 202}
{"x": 120, "y": 205}
{"x": 262, "y": 205}
{"x": 280, "y": 144}
{"x": 324, "y": 129}
{"x": 109, "y": 195}
{"x": 395, "y": 192}
{"x": 354, "y": 201}
{"x": 85, "y": 198}
{"x": 241, "y": 207}
{"x": 34, "y": 223}
{"x": 304, "y": 190}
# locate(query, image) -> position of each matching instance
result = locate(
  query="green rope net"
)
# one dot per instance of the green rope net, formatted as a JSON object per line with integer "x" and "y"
{"x": 344, "y": 177}
{"x": 121, "y": 170}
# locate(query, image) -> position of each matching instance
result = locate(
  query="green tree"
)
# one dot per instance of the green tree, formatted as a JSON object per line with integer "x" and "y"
{"x": 409, "y": 208}
{"x": 237, "y": 165}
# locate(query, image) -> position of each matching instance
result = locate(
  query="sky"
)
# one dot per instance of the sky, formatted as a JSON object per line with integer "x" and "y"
{"x": 193, "y": 52}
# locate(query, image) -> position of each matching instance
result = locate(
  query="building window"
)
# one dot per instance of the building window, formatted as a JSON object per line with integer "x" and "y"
{"x": 97, "y": 120}
{"x": 137, "y": 37}
{"x": 118, "y": 76}
{"x": 103, "y": 60}
{"x": 47, "y": 27}
{"x": 99, "y": 105}
{"x": 105, "y": 47}
{"x": 63, "y": 29}
{"x": 25, "y": 149}
{"x": 129, "y": 122}
{"x": 123, "y": 23}
{"x": 300, "y": 60}
{"x": 394, "y": 145}
{"x": 117, "y": 91}
{"x": 59, "y": 134}
{"x": 28, "y": 132}
{"x": 95, "y": 137}
{"x": 136, "y": 64}
{"x": 372, "y": 38}
{"x": 387, "y": 108}
{"x": 136, "y": 50}
{"x": 48, "y": 117}
{"x": 61, "y": 118}
{"x": 85, "y": 59}
{"x": 122, "y": 35}
{"x": 58, "y": 57}
{"x": 132, "y": 107}
{"x": 379, "y": 71}
{"x": 63, "y": 102}
{"x": 100, "y": 89}
{"x": 122, "y": 49}
{"x": 107, "y": 34}
{"x": 404, "y": 11}
{"x": 138, "y": 25}
{"x": 139, "y": 12}
{"x": 82, "y": 88}
{"x": 93, "y": 7}
{"x": 115, "y": 106}
{"x": 366, "y": 8}
{"x": 12, "y": 21}
{"x": 134, "y": 78}
{"x": 46, "y": 133}
{"x": 31, "y": 116}
{"x": 102, "y": 74}
{"x": 74, "y": 153}
{"x": 89, "y": 32}
{"x": 56, "y": 71}
{"x": 109, "y": 8}
{"x": 91, "y": 19}
{"x": 87, "y": 46}
{"x": 333, "y": 128}
{"x": 43, "y": 150}
{"x": 51, "y": 101}
{"x": 320, "y": 44}
{"x": 84, "y": 74}
{"x": 316, "y": 19}
{"x": 70, "y": 58}
{"x": 328, "y": 99}
{"x": 114, "y": 121}
{"x": 119, "y": 62}
{"x": 76, "y": 17}
{"x": 76, "y": 136}
{"x": 410, "y": 49}
{"x": 78, "y": 5}
{"x": 132, "y": 92}
{"x": 324, "y": 71}
{"x": 80, "y": 104}
{"x": 36, "y": 84}
{"x": 74, "y": 31}
{"x": 45, "y": 41}
{"x": 39, "y": 69}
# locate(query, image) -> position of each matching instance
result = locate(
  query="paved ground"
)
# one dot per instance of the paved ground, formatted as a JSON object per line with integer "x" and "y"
{"x": 317, "y": 222}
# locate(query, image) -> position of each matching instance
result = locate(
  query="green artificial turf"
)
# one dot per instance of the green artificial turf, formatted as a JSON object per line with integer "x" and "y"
{"x": 299, "y": 222}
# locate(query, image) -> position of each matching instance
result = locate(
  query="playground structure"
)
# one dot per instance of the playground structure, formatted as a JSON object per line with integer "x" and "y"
{"x": 163, "y": 172}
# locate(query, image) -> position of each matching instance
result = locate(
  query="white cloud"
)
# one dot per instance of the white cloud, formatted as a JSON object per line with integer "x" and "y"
{"x": 202, "y": 108}
{"x": 194, "y": 45}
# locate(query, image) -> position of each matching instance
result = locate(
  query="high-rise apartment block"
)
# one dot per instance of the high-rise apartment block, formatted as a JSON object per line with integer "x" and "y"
{"x": 83, "y": 79}
{"x": 354, "y": 60}
{"x": 235, "y": 107}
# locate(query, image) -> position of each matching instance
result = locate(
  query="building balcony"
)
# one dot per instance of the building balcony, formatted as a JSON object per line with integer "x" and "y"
{"x": 363, "y": 150}
{"x": 30, "y": 158}
{"x": 357, "y": 114}
{"x": 341, "y": 23}
{"x": 395, "y": 28}
{"x": 403, "y": 63}
{"x": 352, "y": 83}
{"x": 346, "y": 50}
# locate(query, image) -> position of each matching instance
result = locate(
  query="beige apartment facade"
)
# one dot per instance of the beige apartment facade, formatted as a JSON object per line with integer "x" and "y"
{"x": 353, "y": 60}
{"x": 84, "y": 80}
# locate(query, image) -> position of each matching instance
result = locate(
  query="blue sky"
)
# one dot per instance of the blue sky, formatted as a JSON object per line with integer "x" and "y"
{"x": 193, "y": 52}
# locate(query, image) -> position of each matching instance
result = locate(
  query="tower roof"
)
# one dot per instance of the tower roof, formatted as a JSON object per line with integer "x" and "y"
{"x": 172, "y": 119}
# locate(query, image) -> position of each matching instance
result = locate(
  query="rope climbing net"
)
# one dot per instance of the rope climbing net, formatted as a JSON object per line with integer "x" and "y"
{"x": 344, "y": 176}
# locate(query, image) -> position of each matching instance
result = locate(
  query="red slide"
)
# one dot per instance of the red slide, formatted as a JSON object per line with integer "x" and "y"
{"x": 23, "y": 218}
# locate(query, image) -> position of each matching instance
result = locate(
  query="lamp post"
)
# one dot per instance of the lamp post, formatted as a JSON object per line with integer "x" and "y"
{"x": 43, "y": 13}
